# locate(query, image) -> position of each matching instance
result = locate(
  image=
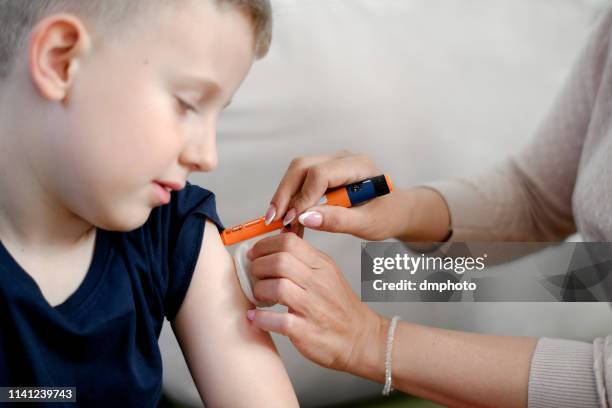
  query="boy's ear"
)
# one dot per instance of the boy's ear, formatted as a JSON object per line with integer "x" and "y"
{"x": 57, "y": 44}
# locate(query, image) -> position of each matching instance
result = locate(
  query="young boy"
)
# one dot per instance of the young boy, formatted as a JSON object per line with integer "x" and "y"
{"x": 105, "y": 105}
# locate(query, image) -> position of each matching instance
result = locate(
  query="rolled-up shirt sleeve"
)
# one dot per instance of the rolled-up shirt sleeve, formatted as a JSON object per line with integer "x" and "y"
{"x": 568, "y": 374}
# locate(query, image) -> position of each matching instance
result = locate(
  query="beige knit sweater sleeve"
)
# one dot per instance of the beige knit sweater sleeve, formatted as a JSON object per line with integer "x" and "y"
{"x": 531, "y": 196}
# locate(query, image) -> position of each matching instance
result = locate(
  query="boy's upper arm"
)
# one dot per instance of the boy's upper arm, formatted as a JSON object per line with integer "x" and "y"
{"x": 232, "y": 363}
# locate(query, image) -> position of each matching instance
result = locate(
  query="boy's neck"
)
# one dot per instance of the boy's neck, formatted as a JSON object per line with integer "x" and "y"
{"x": 42, "y": 228}
{"x": 30, "y": 216}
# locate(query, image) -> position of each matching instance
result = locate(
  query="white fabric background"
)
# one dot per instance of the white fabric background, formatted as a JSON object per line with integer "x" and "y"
{"x": 428, "y": 88}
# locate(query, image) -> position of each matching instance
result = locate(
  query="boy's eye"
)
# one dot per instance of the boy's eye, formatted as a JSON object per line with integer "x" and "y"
{"x": 186, "y": 106}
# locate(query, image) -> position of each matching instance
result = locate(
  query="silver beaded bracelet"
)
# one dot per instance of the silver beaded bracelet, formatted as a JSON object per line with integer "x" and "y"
{"x": 388, "y": 356}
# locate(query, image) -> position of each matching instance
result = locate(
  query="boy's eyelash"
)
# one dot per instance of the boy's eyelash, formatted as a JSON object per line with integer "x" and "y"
{"x": 186, "y": 105}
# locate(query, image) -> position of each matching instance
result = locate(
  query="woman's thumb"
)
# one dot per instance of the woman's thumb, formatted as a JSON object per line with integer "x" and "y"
{"x": 331, "y": 218}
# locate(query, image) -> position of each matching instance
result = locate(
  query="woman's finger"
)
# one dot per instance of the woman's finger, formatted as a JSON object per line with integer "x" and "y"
{"x": 330, "y": 174}
{"x": 290, "y": 184}
{"x": 283, "y": 291}
{"x": 292, "y": 181}
{"x": 287, "y": 242}
{"x": 361, "y": 221}
{"x": 287, "y": 324}
{"x": 280, "y": 265}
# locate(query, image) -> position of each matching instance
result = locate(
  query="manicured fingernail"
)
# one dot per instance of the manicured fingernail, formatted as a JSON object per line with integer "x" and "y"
{"x": 270, "y": 214}
{"x": 311, "y": 219}
{"x": 289, "y": 216}
{"x": 250, "y": 314}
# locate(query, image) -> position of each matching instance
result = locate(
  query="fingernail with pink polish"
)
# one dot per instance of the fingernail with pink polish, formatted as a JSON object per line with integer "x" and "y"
{"x": 289, "y": 216}
{"x": 270, "y": 214}
{"x": 250, "y": 314}
{"x": 311, "y": 219}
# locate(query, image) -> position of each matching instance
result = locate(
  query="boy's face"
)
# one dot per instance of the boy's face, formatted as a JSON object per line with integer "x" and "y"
{"x": 127, "y": 121}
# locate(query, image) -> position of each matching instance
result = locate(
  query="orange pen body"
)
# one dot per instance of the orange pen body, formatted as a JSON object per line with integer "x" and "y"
{"x": 340, "y": 196}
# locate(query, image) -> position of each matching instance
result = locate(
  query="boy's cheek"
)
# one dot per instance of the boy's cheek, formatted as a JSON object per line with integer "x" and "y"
{"x": 133, "y": 127}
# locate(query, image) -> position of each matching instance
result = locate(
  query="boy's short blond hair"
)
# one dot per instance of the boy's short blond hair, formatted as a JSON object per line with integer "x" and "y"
{"x": 18, "y": 17}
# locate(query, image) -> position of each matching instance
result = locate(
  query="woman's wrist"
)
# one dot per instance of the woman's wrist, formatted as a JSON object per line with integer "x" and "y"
{"x": 368, "y": 359}
{"x": 425, "y": 216}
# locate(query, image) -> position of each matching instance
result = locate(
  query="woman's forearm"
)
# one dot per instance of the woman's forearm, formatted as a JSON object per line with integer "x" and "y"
{"x": 453, "y": 368}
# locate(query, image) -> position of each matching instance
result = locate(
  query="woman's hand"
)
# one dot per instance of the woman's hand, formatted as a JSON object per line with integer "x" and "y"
{"x": 325, "y": 321}
{"x": 419, "y": 214}
{"x": 306, "y": 181}
{"x": 328, "y": 324}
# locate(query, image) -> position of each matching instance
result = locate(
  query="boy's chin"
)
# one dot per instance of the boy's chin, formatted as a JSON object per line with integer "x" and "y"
{"x": 125, "y": 221}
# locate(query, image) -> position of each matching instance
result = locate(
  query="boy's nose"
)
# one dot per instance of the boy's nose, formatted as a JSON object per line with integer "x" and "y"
{"x": 201, "y": 154}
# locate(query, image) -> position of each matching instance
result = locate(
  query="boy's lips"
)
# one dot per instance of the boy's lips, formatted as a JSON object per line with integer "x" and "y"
{"x": 164, "y": 188}
{"x": 170, "y": 185}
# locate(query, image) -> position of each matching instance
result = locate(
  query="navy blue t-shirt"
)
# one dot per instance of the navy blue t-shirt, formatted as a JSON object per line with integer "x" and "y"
{"x": 103, "y": 339}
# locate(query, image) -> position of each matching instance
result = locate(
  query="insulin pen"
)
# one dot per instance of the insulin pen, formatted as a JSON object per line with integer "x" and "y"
{"x": 346, "y": 196}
